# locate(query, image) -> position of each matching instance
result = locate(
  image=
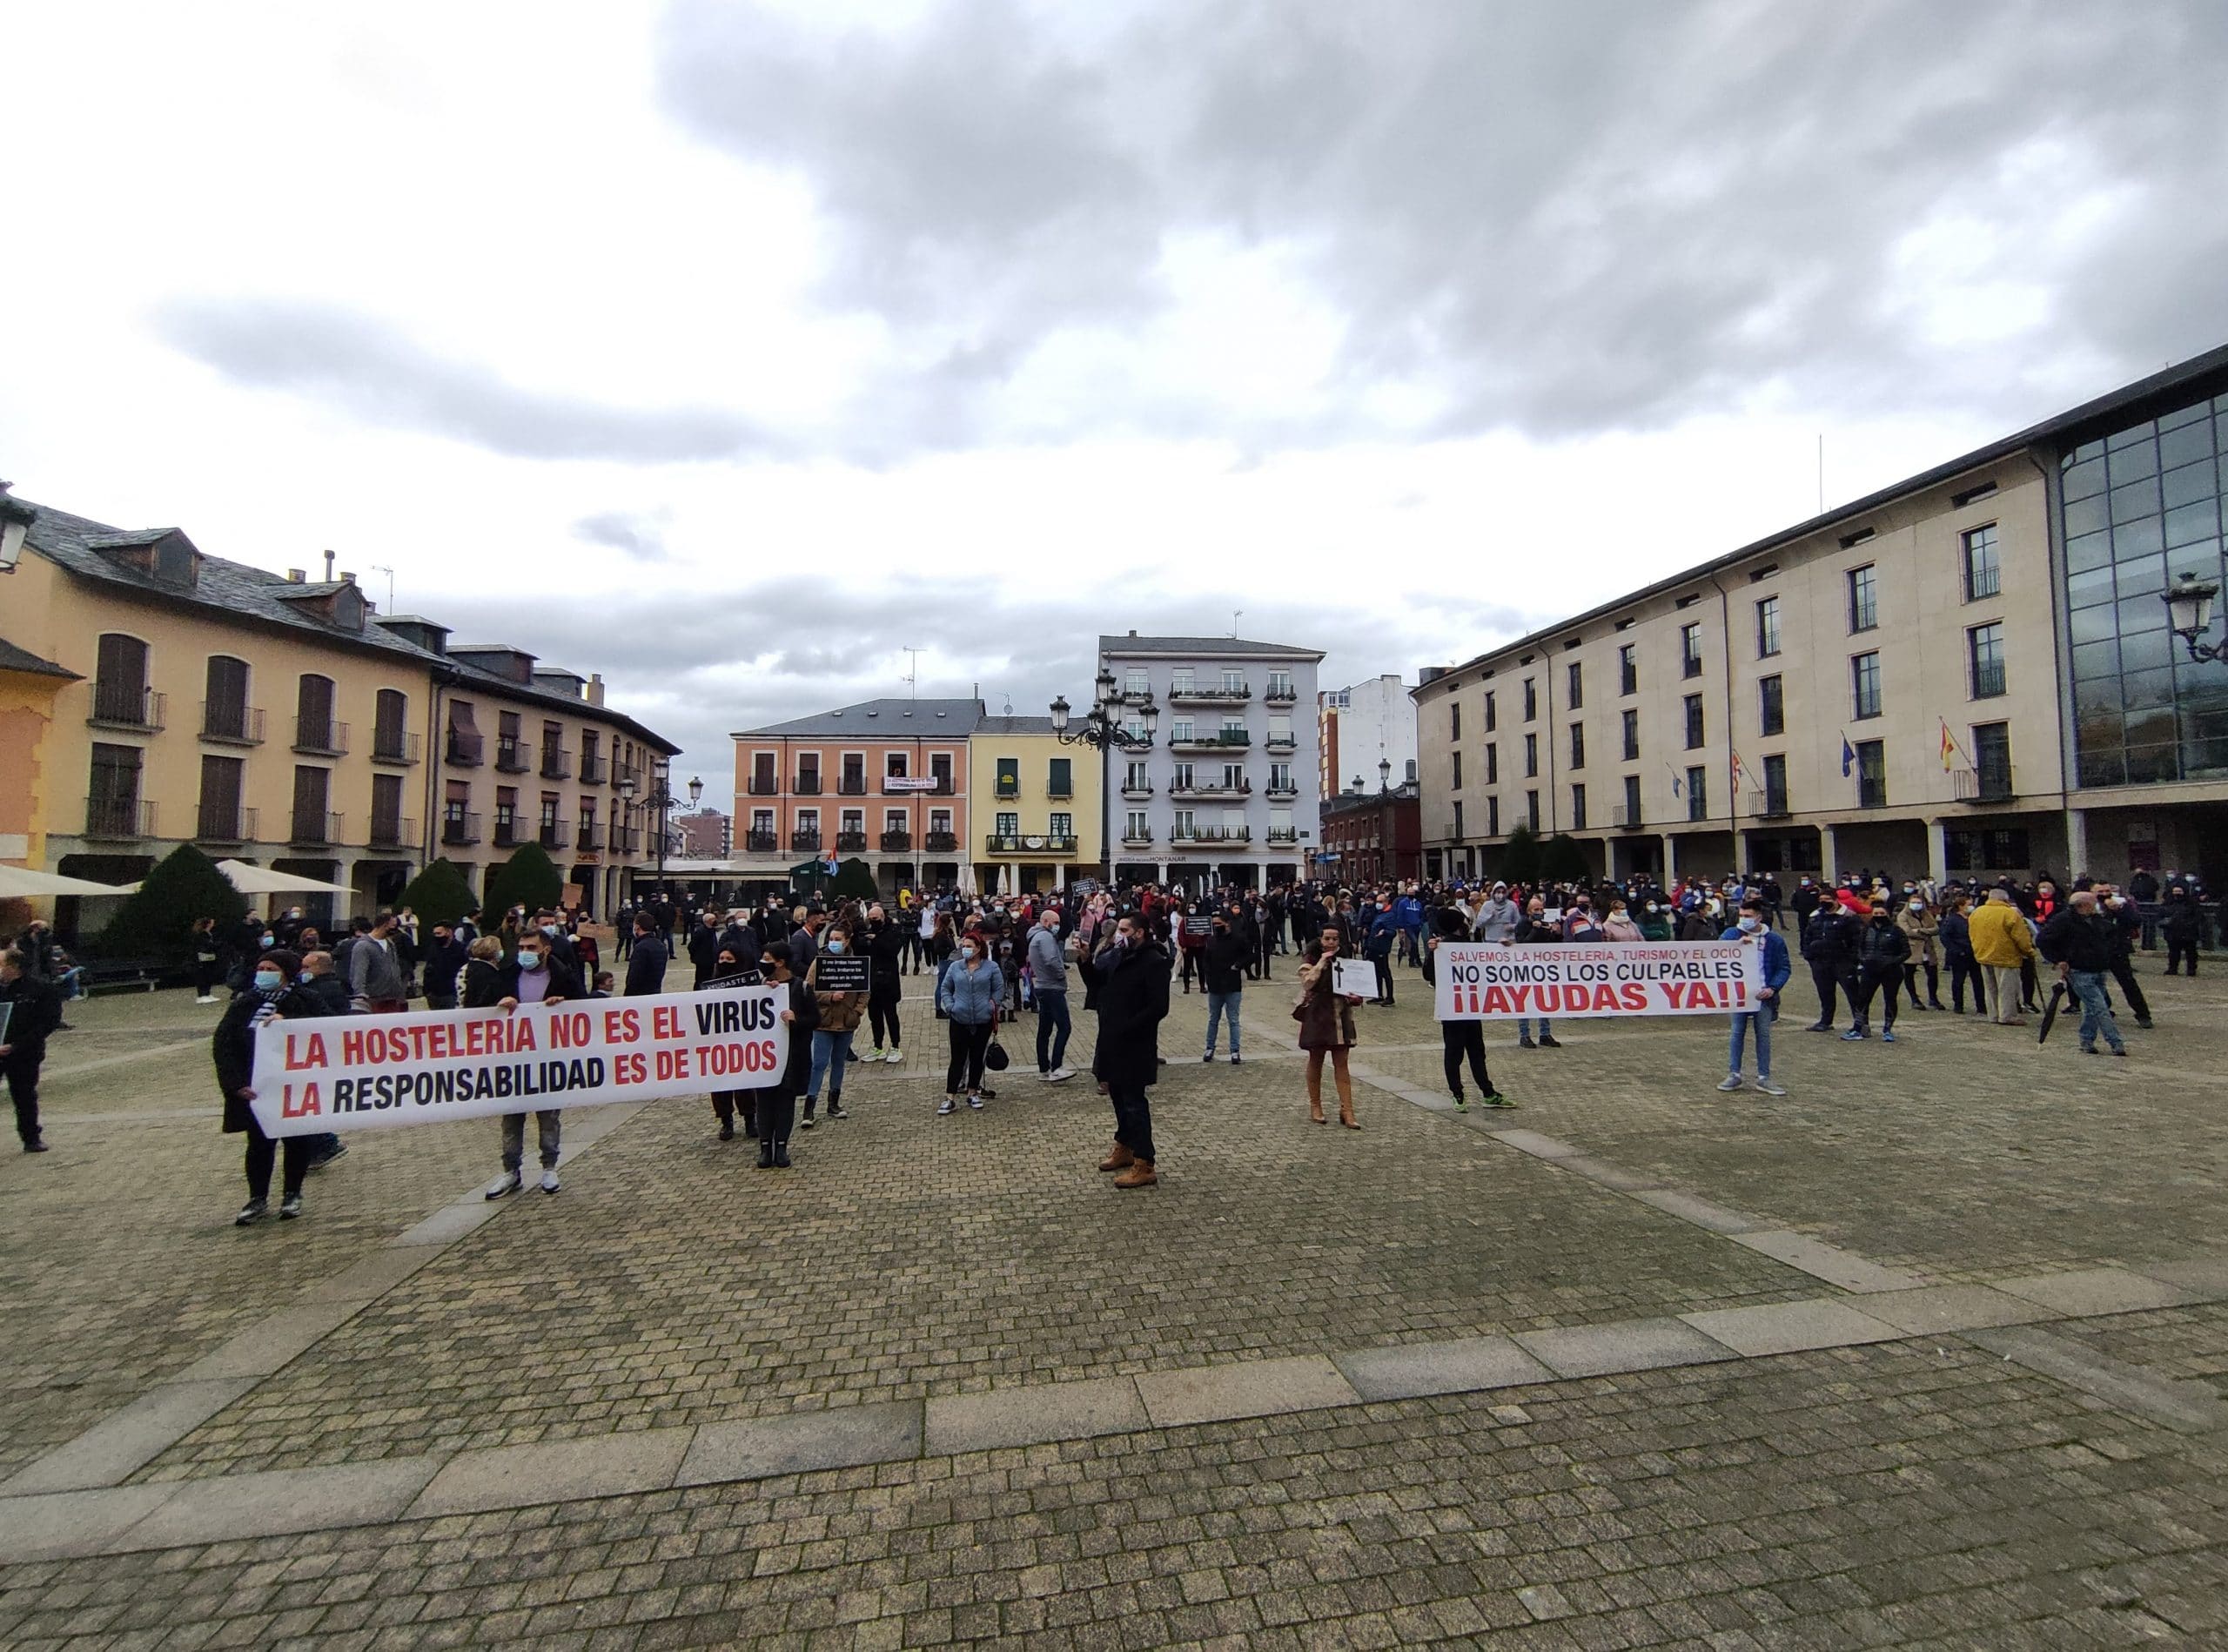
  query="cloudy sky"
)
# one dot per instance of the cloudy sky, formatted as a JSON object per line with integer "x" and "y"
{"x": 731, "y": 349}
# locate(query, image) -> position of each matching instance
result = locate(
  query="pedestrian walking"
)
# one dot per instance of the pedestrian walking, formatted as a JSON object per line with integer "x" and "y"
{"x": 2079, "y": 940}
{"x": 30, "y": 1012}
{"x": 1462, "y": 1039}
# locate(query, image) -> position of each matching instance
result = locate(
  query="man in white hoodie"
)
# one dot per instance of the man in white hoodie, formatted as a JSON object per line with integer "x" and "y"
{"x": 1498, "y": 919}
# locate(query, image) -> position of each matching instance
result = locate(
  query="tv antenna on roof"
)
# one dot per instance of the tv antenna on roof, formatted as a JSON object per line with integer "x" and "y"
{"x": 381, "y": 567}
{"x": 913, "y": 674}
{"x": 1236, "y": 614}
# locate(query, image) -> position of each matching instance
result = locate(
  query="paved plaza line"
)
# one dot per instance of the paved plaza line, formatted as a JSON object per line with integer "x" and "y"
{"x": 116, "y": 1519}
{"x": 118, "y": 1060}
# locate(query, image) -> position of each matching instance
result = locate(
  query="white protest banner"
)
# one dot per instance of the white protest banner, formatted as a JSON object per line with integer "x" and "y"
{"x": 1484, "y": 982}
{"x": 380, "y": 1071}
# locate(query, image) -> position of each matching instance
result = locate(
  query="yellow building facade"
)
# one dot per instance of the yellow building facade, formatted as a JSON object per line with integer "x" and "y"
{"x": 1039, "y": 806}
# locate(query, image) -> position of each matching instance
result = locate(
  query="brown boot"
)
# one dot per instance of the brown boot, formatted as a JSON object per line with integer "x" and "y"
{"x": 1140, "y": 1174}
{"x": 1120, "y": 1159}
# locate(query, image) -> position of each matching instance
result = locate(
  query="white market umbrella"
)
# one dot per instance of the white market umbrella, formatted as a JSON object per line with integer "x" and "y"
{"x": 261, "y": 880}
{"x": 22, "y": 880}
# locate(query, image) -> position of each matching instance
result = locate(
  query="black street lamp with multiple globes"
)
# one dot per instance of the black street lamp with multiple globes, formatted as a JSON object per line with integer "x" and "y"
{"x": 1102, "y": 729}
{"x": 2189, "y": 608}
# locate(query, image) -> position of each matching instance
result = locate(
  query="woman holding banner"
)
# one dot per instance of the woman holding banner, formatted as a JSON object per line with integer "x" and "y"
{"x": 273, "y": 992}
{"x": 1327, "y": 1025}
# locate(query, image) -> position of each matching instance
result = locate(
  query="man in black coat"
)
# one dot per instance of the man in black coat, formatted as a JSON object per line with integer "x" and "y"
{"x": 1829, "y": 938}
{"x": 1132, "y": 1003}
{"x": 33, "y": 1011}
{"x": 646, "y": 963}
{"x": 445, "y": 960}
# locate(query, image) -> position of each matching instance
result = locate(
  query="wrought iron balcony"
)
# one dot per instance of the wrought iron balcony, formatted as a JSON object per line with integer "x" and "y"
{"x": 585, "y": 837}
{"x": 460, "y": 827}
{"x": 317, "y": 828}
{"x": 943, "y": 843}
{"x": 506, "y": 832}
{"x": 1136, "y": 791}
{"x": 1028, "y": 844}
{"x": 225, "y": 823}
{"x": 320, "y": 736}
{"x": 1220, "y": 740}
{"x": 232, "y": 725}
{"x": 128, "y": 705}
{"x": 552, "y": 836}
{"x": 762, "y": 786}
{"x": 850, "y": 843}
{"x": 1218, "y": 695}
{"x": 755, "y": 842}
{"x": 393, "y": 831}
{"x": 595, "y": 767}
{"x": 1282, "y": 793}
{"x": 851, "y": 786}
{"x": 556, "y": 763}
{"x": 1212, "y": 834}
{"x": 804, "y": 842}
{"x": 466, "y": 751}
{"x": 1132, "y": 839}
{"x": 806, "y": 786}
{"x": 119, "y": 817}
{"x": 1281, "y": 695}
{"x": 1990, "y": 783}
{"x": 897, "y": 842}
{"x": 393, "y": 746}
{"x": 510, "y": 756}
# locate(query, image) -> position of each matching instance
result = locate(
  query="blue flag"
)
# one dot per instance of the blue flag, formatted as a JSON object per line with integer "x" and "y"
{"x": 1848, "y": 757}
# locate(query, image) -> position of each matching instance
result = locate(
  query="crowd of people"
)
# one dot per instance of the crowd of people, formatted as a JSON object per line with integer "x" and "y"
{"x": 1876, "y": 942}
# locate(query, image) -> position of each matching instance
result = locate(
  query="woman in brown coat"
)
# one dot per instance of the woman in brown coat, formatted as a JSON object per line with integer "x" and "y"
{"x": 1326, "y": 1025}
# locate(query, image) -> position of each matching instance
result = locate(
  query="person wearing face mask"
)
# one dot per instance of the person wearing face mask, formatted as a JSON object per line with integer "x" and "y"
{"x": 971, "y": 994}
{"x": 273, "y": 992}
{"x": 375, "y": 980}
{"x": 2180, "y": 921}
{"x": 1619, "y": 926}
{"x": 1048, "y": 982}
{"x": 730, "y": 971}
{"x": 1957, "y": 953}
{"x": 1922, "y": 930}
{"x": 1882, "y": 950}
{"x": 703, "y": 949}
{"x": 445, "y": 960}
{"x": 538, "y": 976}
{"x": 1535, "y": 930}
{"x": 1224, "y": 976}
{"x": 1133, "y": 981}
{"x": 2127, "y": 925}
{"x": 886, "y": 942}
{"x": 1773, "y": 971}
{"x": 2079, "y": 940}
{"x": 840, "y": 1014}
{"x": 1581, "y": 923}
{"x": 1655, "y": 921}
{"x": 775, "y": 1107}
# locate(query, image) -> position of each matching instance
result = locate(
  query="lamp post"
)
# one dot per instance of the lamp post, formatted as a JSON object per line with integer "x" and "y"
{"x": 661, "y": 798}
{"x": 1102, "y": 730}
{"x": 2189, "y": 608}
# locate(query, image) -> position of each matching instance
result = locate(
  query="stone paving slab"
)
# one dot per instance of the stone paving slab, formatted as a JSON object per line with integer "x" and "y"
{"x": 799, "y": 1444}
{"x": 2202, "y": 1279}
{"x": 1790, "y": 1327}
{"x": 62, "y": 1524}
{"x": 2096, "y": 1290}
{"x": 1254, "y": 1388}
{"x": 273, "y": 1344}
{"x": 1952, "y": 1308}
{"x": 1828, "y": 1262}
{"x": 2190, "y": 1407}
{"x": 1609, "y": 1175}
{"x": 1418, "y": 1369}
{"x": 276, "y": 1502}
{"x": 1702, "y": 1212}
{"x": 1600, "y": 1350}
{"x": 119, "y": 1444}
{"x": 555, "y": 1471}
{"x": 1033, "y": 1415}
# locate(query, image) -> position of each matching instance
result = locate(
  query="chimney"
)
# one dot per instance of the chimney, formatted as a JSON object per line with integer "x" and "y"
{"x": 593, "y": 689}
{"x": 346, "y": 577}
{"x": 328, "y": 568}
{"x": 297, "y": 577}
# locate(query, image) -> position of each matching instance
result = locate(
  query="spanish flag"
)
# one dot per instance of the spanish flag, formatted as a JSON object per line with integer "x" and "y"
{"x": 1948, "y": 745}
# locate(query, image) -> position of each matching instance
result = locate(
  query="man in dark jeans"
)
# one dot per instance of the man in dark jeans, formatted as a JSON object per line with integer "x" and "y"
{"x": 33, "y": 1011}
{"x": 1132, "y": 1003}
{"x": 1048, "y": 985}
{"x": 1227, "y": 954}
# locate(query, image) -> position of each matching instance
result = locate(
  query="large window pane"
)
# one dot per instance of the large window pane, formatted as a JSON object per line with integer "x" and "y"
{"x": 2147, "y": 764}
{"x": 2193, "y": 522}
{"x": 2097, "y": 624}
{"x": 2146, "y": 693}
{"x": 2196, "y": 411}
{"x": 2137, "y": 538}
{"x": 2179, "y": 447}
{"x": 2081, "y": 481}
{"x": 2149, "y": 652}
{"x": 2097, "y": 660}
{"x": 2128, "y": 464}
{"x": 2138, "y": 499}
{"x": 2088, "y": 587}
{"x": 2087, "y": 515}
{"x": 2120, "y": 440}
{"x": 2103, "y": 769}
{"x": 2090, "y": 550}
{"x": 2142, "y": 576}
{"x": 2189, "y": 484}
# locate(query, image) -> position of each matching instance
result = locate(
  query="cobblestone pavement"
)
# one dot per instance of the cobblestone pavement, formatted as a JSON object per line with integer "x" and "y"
{"x": 1882, "y": 1495}
{"x": 1912, "y": 1491}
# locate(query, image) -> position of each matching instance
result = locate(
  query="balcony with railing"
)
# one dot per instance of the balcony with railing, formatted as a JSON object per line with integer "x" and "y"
{"x": 1211, "y": 834}
{"x": 122, "y": 705}
{"x": 1212, "y": 741}
{"x": 1210, "y": 790}
{"x": 759, "y": 842}
{"x": 851, "y": 786}
{"x": 460, "y": 827}
{"x": 1770, "y": 805}
{"x": 506, "y": 831}
{"x": 552, "y": 835}
{"x": 942, "y": 843}
{"x": 805, "y": 839}
{"x": 1007, "y": 791}
{"x": 762, "y": 786}
{"x": 1284, "y": 834}
{"x": 1281, "y": 693}
{"x": 1028, "y": 844}
{"x": 850, "y": 843}
{"x": 119, "y": 817}
{"x": 1282, "y": 743}
{"x": 1132, "y": 838}
{"x": 1136, "y": 791}
{"x": 556, "y": 763}
{"x": 1988, "y": 679}
{"x": 232, "y": 725}
{"x": 595, "y": 767}
{"x": 465, "y": 750}
{"x": 393, "y": 831}
{"x": 1218, "y": 696}
{"x": 897, "y": 842}
{"x": 320, "y": 736}
{"x": 624, "y": 840}
{"x": 1282, "y": 792}
{"x": 587, "y": 836}
{"x": 317, "y": 828}
{"x": 807, "y": 786}
{"x": 224, "y": 824}
{"x": 1992, "y": 782}
{"x": 394, "y": 745}
{"x": 510, "y": 756}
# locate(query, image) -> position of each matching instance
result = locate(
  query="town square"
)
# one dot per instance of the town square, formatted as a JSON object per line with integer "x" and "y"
{"x": 976, "y": 823}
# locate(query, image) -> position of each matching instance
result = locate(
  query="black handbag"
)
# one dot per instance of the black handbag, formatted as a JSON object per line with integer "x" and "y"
{"x": 995, "y": 1058}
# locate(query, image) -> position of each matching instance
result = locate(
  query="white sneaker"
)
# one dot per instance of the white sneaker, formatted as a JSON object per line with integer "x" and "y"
{"x": 895, "y": 1055}
{"x": 549, "y": 1181}
{"x": 504, "y": 1186}
{"x": 1058, "y": 1076}
{"x": 1731, "y": 1081}
{"x": 947, "y": 1107}
{"x": 205, "y": 1000}
{"x": 875, "y": 1054}
{"x": 1769, "y": 1088}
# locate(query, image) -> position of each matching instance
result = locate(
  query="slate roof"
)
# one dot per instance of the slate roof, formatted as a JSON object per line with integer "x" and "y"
{"x": 892, "y": 719}
{"x": 234, "y": 591}
{"x": 15, "y": 659}
{"x": 1123, "y": 647}
{"x": 991, "y": 728}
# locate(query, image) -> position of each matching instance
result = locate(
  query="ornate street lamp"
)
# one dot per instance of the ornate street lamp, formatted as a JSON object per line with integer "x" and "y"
{"x": 1102, "y": 730}
{"x": 661, "y": 798}
{"x": 2189, "y": 608}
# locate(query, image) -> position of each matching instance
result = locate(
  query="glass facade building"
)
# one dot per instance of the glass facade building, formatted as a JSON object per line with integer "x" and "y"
{"x": 2139, "y": 508}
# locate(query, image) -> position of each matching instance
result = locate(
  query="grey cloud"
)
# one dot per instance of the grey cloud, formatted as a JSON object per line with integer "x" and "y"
{"x": 693, "y": 664}
{"x": 378, "y": 373}
{"x": 1564, "y": 219}
{"x": 640, "y": 534}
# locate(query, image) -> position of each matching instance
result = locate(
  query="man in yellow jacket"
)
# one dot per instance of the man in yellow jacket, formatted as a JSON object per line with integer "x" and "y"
{"x": 2002, "y": 941}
